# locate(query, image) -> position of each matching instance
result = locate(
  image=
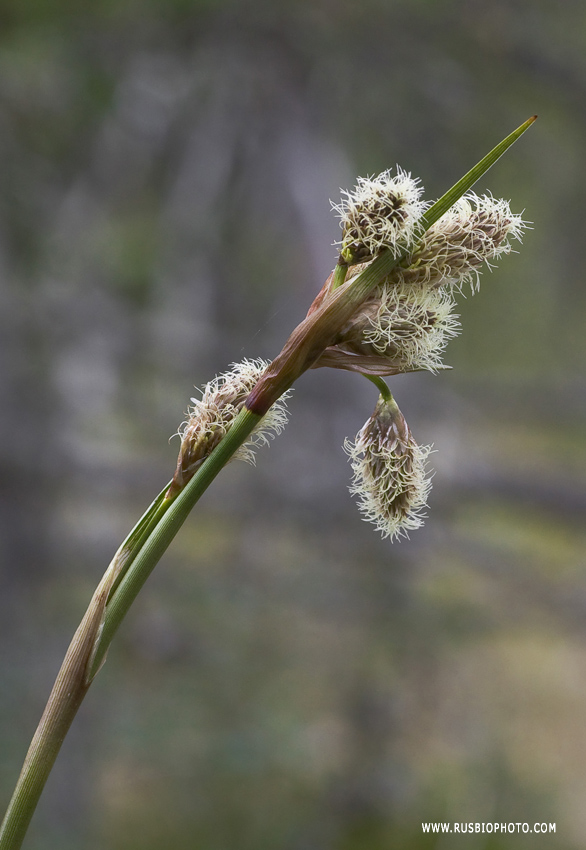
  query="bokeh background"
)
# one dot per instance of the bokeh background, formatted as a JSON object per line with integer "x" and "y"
{"x": 287, "y": 679}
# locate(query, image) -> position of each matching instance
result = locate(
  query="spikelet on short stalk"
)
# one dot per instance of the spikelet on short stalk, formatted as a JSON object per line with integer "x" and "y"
{"x": 406, "y": 326}
{"x": 210, "y": 417}
{"x": 474, "y": 233}
{"x": 381, "y": 212}
{"x": 390, "y": 477}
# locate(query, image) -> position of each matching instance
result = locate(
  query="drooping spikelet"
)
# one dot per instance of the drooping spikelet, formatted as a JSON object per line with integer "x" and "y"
{"x": 210, "y": 417}
{"x": 475, "y": 232}
{"x": 390, "y": 477}
{"x": 381, "y": 212}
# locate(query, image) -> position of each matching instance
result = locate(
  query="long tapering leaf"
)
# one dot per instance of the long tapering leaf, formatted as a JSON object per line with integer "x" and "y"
{"x": 443, "y": 204}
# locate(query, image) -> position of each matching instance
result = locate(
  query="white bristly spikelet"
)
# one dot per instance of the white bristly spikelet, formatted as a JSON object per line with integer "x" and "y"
{"x": 390, "y": 476}
{"x": 474, "y": 233}
{"x": 381, "y": 212}
{"x": 413, "y": 325}
{"x": 210, "y": 417}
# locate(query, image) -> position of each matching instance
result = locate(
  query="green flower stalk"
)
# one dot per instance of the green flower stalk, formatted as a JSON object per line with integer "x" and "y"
{"x": 386, "y": 308}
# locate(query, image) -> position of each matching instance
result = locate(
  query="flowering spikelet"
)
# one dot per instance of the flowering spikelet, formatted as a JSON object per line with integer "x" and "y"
{"x": 409, "y": 326}
{"x": 389, "y": 472}
{"x": 210, "y": 417}
{"x": 476, "y": 231}
{"x": 381, "y": 212}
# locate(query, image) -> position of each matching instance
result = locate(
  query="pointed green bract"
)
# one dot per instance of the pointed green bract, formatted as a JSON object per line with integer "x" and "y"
{"x": 443, "y": 204}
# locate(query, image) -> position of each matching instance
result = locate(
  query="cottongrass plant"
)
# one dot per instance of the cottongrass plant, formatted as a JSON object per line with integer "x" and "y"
{"x": 387, "y": 308}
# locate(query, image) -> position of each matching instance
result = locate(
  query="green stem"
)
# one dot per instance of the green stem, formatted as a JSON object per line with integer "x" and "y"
{"x": 164, "y": 532}
{"x": 381, "y": 386}
{"x": 116, "y": 592}
{"x": 66, "y": 697}
{"x": 340, "y": 273}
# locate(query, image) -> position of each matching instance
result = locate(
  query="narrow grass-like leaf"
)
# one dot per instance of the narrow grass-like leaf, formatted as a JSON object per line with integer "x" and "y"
{"x": 443, "y": 204}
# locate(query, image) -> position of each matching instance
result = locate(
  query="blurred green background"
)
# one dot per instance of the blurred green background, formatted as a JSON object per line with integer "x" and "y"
{"x": 287, "y": 679}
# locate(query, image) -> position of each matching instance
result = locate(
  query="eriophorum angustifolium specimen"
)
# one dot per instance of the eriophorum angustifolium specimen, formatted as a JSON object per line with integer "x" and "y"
{"x": 387, "y": 308}
{"x": 403, "y": 325}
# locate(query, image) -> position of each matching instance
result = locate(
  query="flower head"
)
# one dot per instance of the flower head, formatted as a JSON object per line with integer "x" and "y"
{"x": 210, "y": 417}
{"x": 408, "y": 326}
{"x": 475, "y": 232}
{"x": 381, "y": 212}
{"x": 390, "y": 477}
{"x": 407, "y": 321}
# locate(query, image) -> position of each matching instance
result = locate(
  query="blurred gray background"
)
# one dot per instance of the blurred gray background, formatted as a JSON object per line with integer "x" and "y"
{"x": 287, "y": 680}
